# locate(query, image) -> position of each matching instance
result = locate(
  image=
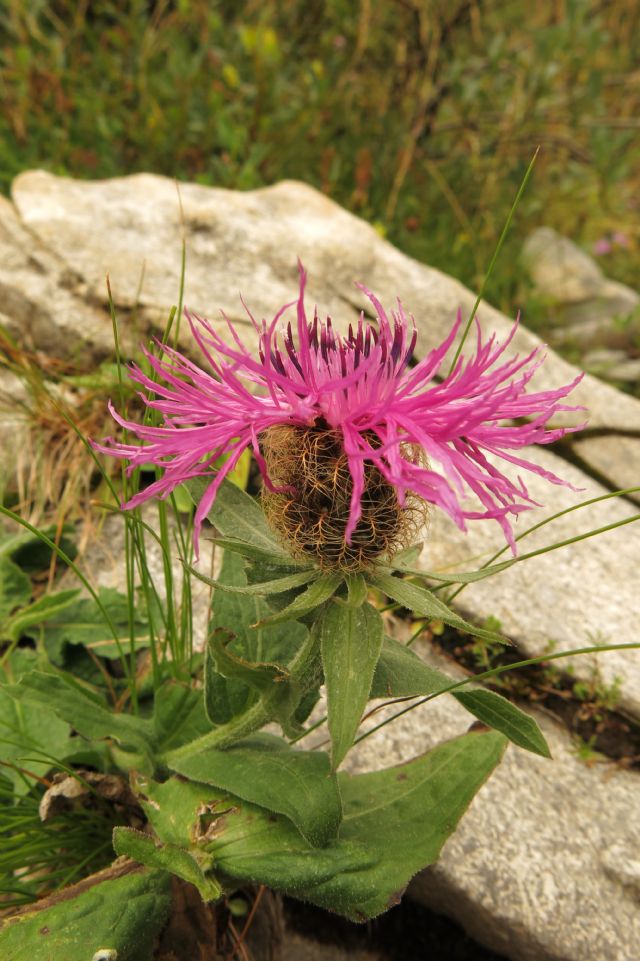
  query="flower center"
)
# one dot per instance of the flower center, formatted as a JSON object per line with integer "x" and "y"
{"x": 312, "y": 519}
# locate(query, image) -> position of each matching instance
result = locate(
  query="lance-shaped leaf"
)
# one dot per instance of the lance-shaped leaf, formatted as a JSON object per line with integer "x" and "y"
{"x": 401, "y": 673}
{"x": 263, "y": 769}
{"x": 350, "y": 641}
{"x": 118, "y": 913}
{"x": 168, "y": 857}
{"x": 262, "y": 588}
{"x": 454, "y": 577}
{"x": 504, "y": 716}
{"x": 254, "y": 552}
{"x": 316, "y": 594}
{"x": 423, "y": 602}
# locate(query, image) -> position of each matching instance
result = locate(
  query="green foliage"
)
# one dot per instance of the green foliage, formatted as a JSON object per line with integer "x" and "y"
{"x": 395, "y": 822}
{"x": 30, "y": 734}
{"x": 123, "y": 915}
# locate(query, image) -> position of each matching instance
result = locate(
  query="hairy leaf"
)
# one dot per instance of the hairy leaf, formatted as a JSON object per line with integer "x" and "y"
{"x": 351, "y": 641}
{"x": 265, "y": 770}
{"x": 123, "y": 915}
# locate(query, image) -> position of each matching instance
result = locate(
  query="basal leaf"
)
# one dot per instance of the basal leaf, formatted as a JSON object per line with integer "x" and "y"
{"x": 34, "y": 615}
{"x": 404, "y": 815}
{"x": 87, "y": 714}
{"x": 83, "y": 623}
{"x": 28, "y": 731}
{"x": 350, "y": 642}
{"x": 395, "y": 823}
{"x": 121, "y": 915}
{"x": 263, "y": 769}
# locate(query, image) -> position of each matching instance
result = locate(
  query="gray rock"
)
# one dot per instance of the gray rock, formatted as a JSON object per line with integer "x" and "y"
{"x": 587, "y": 310}
{"x": 44, "y": 301}
{"x": 613, "y": 364}
{"x": 544, "y": 865}
{"x": 560, "y": 270}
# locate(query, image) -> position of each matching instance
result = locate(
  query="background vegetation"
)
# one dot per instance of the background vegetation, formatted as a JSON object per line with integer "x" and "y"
{"x": 419, "y": 115}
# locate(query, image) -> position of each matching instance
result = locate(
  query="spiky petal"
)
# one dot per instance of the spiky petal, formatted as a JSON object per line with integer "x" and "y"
{"x": 362, "y": 385}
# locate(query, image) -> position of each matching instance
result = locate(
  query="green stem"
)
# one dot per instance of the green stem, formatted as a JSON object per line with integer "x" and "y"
{"x": 224, "y": 735}
{"x": 303, "y": 667}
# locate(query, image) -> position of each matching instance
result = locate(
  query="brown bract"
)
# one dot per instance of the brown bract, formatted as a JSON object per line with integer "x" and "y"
{"x": 312, "y": 518}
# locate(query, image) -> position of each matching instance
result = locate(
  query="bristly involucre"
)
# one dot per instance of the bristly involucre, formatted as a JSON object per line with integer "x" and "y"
{"x": 360, "y": 387}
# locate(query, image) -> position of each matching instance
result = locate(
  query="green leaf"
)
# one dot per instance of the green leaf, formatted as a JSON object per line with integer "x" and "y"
{"x": 178, "y": 715}
{"x": 262, "y": 588}
{"x": 351, "y": 641}
{"x": 83, "y": 623}
{"x": 27, "y": 730}
{"x": 401, "y": 673}
{"x": 404, "y": 815}
{"x": 41, "y": 610}
{"x": 237, "y": 515}
{"x": 247, "y": 843}
{"x": 263, "y": 769}
{"x": 260, "y": 676}
{"x": 167, "y": 857}
{"x": 395, "y": 823}
{"x": 277, "y": 644}
{"x": 15, "y": 590}
{"x": 124, "y": 914}
{"x": 357, "y": 590}
{"x": 256, "y": 553}
{"x": 87, "y": 714}
{"x": 315, "y": 595}
{"x": 455, "y": 577}
{"x": 501, "y": 714}
{"x": 423, "y": 602}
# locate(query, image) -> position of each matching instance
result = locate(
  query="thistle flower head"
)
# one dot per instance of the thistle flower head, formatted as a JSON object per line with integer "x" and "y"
{"x": 345, "y": 431}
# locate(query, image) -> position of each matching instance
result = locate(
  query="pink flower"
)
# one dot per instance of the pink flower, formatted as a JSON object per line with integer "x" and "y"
{"x": 362, "y": 386}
